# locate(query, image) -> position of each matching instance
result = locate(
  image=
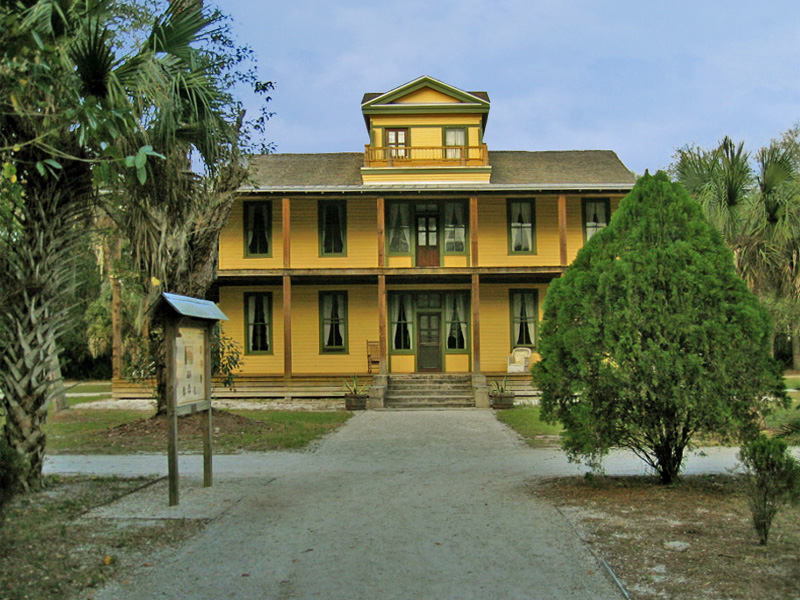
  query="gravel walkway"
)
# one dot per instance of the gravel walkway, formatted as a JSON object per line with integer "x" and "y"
{"x": 395, "y": 505}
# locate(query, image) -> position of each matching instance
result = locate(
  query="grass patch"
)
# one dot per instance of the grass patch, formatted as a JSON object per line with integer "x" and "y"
{"x": 88, "y": 387}
{"x": 777, "y": 419}
{"x": 48, "y": 552}
{"x": 127, "y": 432}
{"x": 527, "y": 422}
{"x": 685, "y": 541}
{"x": 85, "y": 431}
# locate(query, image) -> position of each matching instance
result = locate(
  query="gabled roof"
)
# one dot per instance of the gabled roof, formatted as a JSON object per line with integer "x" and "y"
{"x": 599, "y": 170}
{"x": 371, "y": 100}
{"x": 388, "y": 102}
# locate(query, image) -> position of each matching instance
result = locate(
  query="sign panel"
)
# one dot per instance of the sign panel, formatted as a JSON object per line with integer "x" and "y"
{"x": 190, "y": 367}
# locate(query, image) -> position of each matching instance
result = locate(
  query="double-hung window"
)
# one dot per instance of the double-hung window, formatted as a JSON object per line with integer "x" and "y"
{"x": 524, "y": 316}
{"x": 257, "y": 228}
{"x": 522, "y": 226}
{"x": 332, "y": 228}
{"x": 456, "y": 320}
{"x": 401, "y": 315}
{"x": 455, "y": 227}
{"x": 596, "y": 214}
{"x": 333, "y": 321}
{"x": 397, "y": 143}
{"x": 455, "y": 140}
{"x": 258, "y": 322}
{"x": 399, "y": 233}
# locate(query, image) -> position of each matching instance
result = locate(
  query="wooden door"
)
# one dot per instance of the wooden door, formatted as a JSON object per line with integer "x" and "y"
{"x": 428, "y": 240}
{"x": 429, "y": 345}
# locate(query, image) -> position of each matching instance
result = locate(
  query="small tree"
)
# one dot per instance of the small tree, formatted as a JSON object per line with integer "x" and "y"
{"x": 773, "y": 479}
{"x": 651, "y": 337}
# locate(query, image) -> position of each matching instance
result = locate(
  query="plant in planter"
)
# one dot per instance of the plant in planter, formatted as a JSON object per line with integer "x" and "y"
{"x": 501, "y": 395}
{"x": 355, "y": 396}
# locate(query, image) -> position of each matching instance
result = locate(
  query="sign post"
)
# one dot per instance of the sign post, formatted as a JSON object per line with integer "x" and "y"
{"x": 188, "y": 328}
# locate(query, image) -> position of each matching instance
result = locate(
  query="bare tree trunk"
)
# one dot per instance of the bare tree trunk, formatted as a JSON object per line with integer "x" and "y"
{"x": 116, "y": 316}
{"x": 796, "y": 349}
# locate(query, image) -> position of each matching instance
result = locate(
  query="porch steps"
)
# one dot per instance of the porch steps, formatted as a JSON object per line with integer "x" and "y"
{"x": 434, "y": 390}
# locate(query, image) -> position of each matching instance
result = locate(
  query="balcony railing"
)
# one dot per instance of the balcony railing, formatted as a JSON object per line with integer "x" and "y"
{"x": 426, "y": 156}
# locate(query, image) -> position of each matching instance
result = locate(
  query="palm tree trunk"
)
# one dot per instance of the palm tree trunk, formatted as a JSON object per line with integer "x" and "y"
{"x": 796, "y": 349}
{"x": 35, "y": 272}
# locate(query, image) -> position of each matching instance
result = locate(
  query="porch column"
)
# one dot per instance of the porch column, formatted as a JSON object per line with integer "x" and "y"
{"x": 286, "y": 223}
{"x": 287, "y": 326}
{"x": 381, "y": 233}
{"x": 473, "y": 230}
{"x": 476, "y": 324}
{"x": 382, "y": 316}
{"x": 562, "y": 228}
{"x": 286, "y": 228}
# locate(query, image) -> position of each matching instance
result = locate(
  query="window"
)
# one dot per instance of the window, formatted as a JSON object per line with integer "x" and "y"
{"x": 333, "y": 321}
{"x": 524, "y": 315}
{"x": 596, "y": 213}
{"x": 399, "y": 228}
{"x": 258, "y": 323}
{"x": 456, "y": 319}
{"x": 332, "y": 227}
{"x": 455, "y": 228}
{"x": 455, "y": 139}
{"x": 397, "y": 143}
{"x": 522, "y": 226}
{"x": 257, "y": 228}
{"x": 402, "y": 324}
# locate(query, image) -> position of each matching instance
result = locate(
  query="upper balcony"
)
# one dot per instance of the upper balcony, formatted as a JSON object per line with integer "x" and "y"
{"x": 426, "y": 156}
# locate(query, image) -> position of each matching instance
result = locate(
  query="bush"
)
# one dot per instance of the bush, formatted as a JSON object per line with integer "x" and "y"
{"x": 9, "y": 471}
{"x": 773, "y": 479}
{"x": 651, "y": 337}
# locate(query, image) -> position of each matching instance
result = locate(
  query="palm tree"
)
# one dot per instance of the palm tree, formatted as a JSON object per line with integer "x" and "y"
{"x": 57, "y": 138}
{"x": 757, "y": 210}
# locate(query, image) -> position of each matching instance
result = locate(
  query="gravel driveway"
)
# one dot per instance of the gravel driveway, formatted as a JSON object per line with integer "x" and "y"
{"x": 395, "y": 505}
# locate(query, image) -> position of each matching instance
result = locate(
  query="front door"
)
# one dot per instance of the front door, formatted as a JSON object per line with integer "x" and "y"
{"x": 427, "y": 239}
{"x": 429, "y": 345}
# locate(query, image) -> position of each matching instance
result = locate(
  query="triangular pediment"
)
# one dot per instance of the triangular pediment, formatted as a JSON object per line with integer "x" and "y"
{"x": 425, "y": 91}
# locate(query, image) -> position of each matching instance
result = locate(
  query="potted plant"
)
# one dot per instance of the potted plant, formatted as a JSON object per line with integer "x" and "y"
{"x": 355, "y": 396}
{"x": 501, "y": 395}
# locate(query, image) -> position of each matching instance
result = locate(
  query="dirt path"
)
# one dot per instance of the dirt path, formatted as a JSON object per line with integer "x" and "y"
{"x": 396, "y": 505}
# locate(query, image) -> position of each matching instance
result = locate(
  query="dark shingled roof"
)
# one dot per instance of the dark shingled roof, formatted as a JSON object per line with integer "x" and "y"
{"x": 572, "y": 167}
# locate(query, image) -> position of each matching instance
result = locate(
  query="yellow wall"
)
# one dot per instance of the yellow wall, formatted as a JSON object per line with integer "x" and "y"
{"x": 231, "y": 241}
{"x": 362, "y": 247}
{"x": 465, "y": 174}
{"x": 426, "y": 95}
{"x": 363, "y": 325}
{"x": 307, "y": 357}
{"x": 457, "y": 363}
{"x": 402, "y": 363}
{"x": 231, "y": 302}
{"x": 495, "y": 312}
{"x": 446, "y": 120}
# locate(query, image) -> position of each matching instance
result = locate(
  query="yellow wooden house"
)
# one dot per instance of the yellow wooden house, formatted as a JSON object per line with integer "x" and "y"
{"x": 425, "y": 254}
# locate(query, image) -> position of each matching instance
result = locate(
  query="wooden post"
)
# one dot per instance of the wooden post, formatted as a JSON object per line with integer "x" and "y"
{"x": 382, "y": 336}
{"x": 287, "y": 326}
{"x": 170, "y": 331}
{"x": 473, "y": 230}
{"x": 208, "y": 478}
{"x": 562, "y": 228}
{"x": 381, "y": 233}
{"x": 286, "y": 225}
{"x": 286, "y": 228}
{"x": 476, "y": 324}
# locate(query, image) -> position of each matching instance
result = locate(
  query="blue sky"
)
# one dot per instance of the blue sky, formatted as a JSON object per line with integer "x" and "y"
{"x": 640, "y": 78}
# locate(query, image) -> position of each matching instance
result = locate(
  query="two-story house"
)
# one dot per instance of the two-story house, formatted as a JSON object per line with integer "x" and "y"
{"x": 426, "y": 253}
